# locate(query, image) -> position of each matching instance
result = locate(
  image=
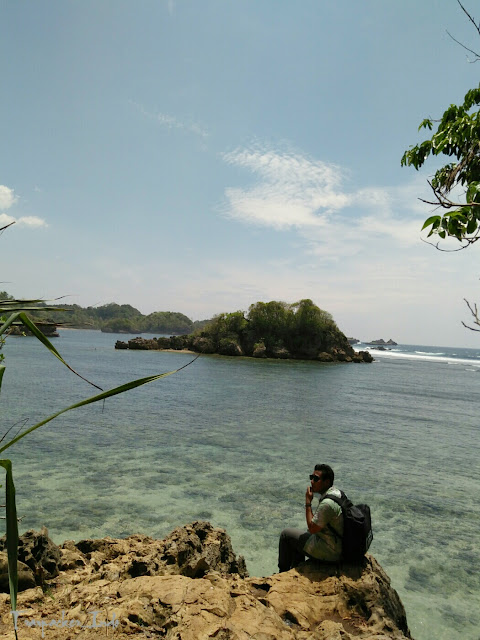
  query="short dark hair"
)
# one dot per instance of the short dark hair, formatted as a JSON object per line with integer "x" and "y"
{"x": 327, "y": 472}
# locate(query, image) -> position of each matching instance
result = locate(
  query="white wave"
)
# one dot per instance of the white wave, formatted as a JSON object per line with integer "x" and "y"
{"x": 431, "y": 353}
{"x": 427, "y": 358}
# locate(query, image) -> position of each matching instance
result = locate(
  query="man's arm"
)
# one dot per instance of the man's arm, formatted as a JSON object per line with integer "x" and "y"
{"x": 311, "y": 526}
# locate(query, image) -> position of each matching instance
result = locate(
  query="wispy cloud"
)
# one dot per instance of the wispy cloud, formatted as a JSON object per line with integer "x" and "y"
{"x": 27, "y": 221}
{"x": 7, "y": 200}
{"x": 172, "y": 122}
{"x": 291, "y": 190}
{"x": 294, "y": 191}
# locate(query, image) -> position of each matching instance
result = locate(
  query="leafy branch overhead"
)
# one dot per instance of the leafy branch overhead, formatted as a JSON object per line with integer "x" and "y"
{"x": 457, "y": 136}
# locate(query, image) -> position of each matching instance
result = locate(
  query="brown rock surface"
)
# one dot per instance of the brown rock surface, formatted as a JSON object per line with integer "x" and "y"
{"x": 190, "y": 586}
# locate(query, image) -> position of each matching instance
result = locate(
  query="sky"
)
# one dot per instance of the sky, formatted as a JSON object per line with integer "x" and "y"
{"x": 202, "y": 155}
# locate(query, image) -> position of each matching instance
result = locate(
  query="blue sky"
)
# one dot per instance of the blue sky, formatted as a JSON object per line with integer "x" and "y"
{"x": 201, "y": 155}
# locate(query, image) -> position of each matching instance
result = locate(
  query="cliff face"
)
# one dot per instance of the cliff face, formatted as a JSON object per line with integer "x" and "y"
{"x": 191, "y": 586}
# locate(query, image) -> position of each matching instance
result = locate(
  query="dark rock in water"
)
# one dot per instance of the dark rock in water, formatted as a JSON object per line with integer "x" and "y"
{"x": 259, "y": 350}
{"x": 366, "y": 356}
{"x": 142, "y": 344}
{"x": 323, "y": 356}
{"x": 281, "y": 352}
{"x": 229, "y": 347}
{"x": 49, "y": 329}
{"x": 203, "y": 345}
{"x": 382, "y": 342}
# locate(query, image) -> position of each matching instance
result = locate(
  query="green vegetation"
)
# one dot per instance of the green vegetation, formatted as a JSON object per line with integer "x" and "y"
{"x": 273, "y": 329}
{"x": 13, "y": 311}
{"x": 457, "y": 135}
{"x": 268, "y": 330}
{"x": 114, "y": 318}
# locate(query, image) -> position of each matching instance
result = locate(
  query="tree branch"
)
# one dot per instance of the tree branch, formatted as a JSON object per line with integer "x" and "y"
{"x": 476, "y": 319}
{"x": 477, "y": 27}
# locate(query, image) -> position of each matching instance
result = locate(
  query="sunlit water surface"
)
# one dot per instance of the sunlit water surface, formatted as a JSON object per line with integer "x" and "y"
{"x": 232, "y": 441}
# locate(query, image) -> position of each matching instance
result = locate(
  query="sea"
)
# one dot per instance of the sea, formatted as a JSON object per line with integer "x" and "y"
{"x": 233, "y": 441}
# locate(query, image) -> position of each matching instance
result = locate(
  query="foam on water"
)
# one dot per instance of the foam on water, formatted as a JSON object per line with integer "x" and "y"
{"x": 423, "y": 355}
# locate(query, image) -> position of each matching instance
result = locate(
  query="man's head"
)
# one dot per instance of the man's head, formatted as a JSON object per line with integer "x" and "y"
{"x": 322, "y": 479}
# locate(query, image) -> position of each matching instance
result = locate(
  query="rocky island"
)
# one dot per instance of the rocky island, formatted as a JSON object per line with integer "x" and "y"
{"x": 269, "y": 330}
{"x": 190, "y": 586}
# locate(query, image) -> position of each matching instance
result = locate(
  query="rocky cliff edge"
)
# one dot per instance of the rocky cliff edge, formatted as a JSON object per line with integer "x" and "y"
{"x": 190, "y": 586}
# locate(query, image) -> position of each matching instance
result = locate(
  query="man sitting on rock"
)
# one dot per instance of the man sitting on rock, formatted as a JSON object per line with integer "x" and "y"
{"x": 323, "y": 540}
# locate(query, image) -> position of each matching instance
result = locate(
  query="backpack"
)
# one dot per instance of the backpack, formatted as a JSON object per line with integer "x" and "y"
{"x": 357, "y": 528}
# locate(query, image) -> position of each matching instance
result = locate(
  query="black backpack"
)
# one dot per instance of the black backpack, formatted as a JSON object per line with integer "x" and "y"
{"x": 357, "y": 528}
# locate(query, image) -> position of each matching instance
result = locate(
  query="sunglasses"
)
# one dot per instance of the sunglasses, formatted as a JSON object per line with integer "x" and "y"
{"x": 315, "y": 478}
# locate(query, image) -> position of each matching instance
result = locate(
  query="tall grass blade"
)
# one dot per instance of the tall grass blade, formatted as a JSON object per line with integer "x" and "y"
{"x": 22, "y": 317}
{"x": 101, "y": 396}
{"x": 2, "y": 371}
{"x": 12, "y": 533}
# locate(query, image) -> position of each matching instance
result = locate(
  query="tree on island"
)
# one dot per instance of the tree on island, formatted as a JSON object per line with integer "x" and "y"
{"x": 276, "y": 330}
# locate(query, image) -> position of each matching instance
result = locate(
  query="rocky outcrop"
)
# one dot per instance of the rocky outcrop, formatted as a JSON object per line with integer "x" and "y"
{"x": 191, "y": 586}
{"x": 26, "y": 577}
{"x": 259, "y": 350}
{"x": 48, "y": 329}
{"x": 230, "y": 347}
{"x": 38, "y": 553}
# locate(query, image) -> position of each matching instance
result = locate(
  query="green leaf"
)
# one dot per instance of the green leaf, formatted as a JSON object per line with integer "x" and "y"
{"x": 12, "y": 533}
{"x": 472, "y": 225}
{"x": 22, "y": 317}
{"x": 472, "y": 191}
{"x": 2, "y": 371}
{"x": 430, "y": 221}
{"x": 425, "y": 124}
{"x": 101, "y": 396}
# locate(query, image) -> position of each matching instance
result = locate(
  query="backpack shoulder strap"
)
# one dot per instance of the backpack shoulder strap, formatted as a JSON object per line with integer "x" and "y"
{"x": 341, "y": 503}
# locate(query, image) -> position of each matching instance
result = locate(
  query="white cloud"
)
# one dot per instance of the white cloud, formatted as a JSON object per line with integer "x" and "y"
{"x": 27, "y": 221}
{"x": 6, "y": 219}
{"x": 7, "y": 197}
{"x": 172, "y": 122}
{"x": 7, "y": 200}
{"x": 32, "y": 221}
{"x": 293, "y": 191}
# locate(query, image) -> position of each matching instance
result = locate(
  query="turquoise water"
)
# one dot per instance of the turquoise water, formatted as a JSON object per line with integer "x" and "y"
{"x": 233, "y": 440}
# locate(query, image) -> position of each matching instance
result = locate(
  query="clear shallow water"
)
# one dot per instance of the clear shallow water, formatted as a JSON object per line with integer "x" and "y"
{"x": 233, "y": 441}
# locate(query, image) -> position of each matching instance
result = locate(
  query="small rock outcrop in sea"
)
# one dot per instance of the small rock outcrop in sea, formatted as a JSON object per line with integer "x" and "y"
{"x": 381, "y": 341}
{"x": 48, "y": 329}
{"x": 192, "y": 586}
